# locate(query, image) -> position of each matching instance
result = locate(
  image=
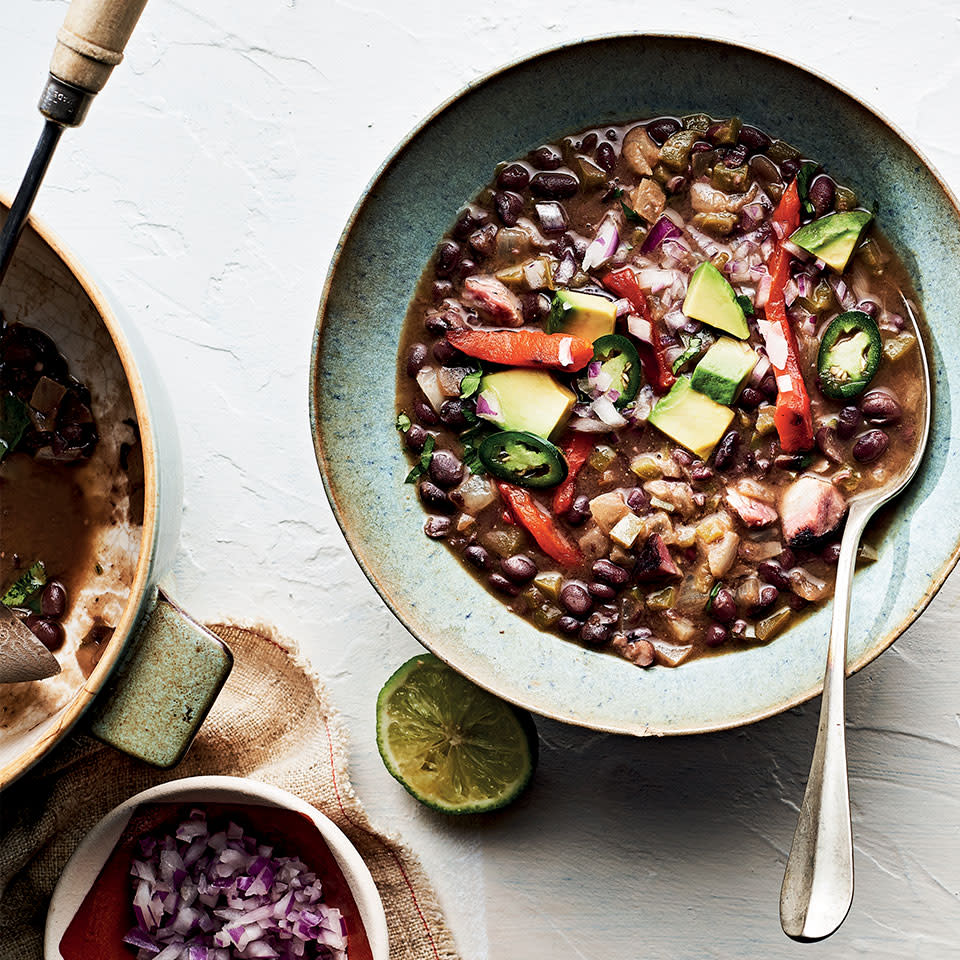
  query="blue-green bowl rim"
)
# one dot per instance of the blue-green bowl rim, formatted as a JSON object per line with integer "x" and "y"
{"x": 882, "y": 645}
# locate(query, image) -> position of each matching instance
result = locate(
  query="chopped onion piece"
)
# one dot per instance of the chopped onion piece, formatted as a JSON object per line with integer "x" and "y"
{"x": 663, "y": 229}
{"x": 603, "y": 246}
{"x": 640, "y": 328}
{"x": 603, "y": 407}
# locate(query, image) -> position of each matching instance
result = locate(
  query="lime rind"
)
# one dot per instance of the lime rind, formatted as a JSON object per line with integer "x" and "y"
{"x": 452, "y": 745}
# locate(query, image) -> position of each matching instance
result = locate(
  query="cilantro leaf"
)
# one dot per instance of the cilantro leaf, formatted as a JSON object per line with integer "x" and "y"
{"x": 746, "y": 305}
{"x": 32, "y": 580}
{"x": 470, "y": 384}
{"x": 804, "y": 176}
{"x": 471, "y": 438}
{"x": 631, "y": 214}
{"x": 692, "y": 348}
{"x": 403, "y": 422}
{"x": 425, "y": 457}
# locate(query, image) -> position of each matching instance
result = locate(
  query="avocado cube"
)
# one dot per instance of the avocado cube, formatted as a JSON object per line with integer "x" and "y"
{"x": 524, "y": 400}
{"x": 724, "y": 370}
{"x": 582, "y": 315}
{"x": 710, "y": 299}
{"x": 691, "y": 418}
{"x": 832, "y": 238}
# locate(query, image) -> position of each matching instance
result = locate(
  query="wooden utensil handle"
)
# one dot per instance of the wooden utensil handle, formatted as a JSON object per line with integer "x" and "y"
{"x": 92, "y": 39}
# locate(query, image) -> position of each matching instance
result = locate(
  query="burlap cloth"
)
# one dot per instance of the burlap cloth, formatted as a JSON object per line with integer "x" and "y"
{"x": 274, "y": 722}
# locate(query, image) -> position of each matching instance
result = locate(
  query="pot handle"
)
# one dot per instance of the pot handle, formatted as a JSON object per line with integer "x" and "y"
{"x": 166, "y": 683}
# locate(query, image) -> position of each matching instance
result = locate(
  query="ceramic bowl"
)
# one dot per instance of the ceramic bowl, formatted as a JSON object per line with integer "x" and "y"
{"x": 159, "y": 694}
{"x": 391, "y": 235}
{"x": 364, "y": 914}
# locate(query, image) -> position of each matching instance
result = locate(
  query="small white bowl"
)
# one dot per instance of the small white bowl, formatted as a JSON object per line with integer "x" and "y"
{"x": 96, "y": 847}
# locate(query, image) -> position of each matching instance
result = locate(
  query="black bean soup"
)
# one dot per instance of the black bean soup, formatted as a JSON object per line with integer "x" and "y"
{"x": 47, "y": 432}
{"x": 643, "y": 374}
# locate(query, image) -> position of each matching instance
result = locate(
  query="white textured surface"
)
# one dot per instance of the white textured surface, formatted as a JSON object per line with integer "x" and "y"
{"x": 208, "y": 188}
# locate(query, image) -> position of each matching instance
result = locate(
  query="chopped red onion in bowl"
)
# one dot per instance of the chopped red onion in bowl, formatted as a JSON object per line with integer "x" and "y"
{"x": 663, "y": 229}
{"x": 219, "y": 896}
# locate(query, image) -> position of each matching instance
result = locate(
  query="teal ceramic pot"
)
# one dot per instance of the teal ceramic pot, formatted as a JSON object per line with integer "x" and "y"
{"x": 160, "y": 671}
{"x": 390, "y": 237}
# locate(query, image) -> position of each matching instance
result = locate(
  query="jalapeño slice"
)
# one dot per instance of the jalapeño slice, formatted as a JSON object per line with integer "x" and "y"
{"x": 849, "y": 355}
{"x": 523, "y": 458}
{"x": 619, "y": 358}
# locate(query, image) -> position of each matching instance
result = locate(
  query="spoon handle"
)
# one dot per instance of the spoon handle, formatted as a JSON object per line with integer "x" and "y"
{"x": 818, "y": 883}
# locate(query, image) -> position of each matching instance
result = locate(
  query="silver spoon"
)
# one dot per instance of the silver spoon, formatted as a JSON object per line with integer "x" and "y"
{"x": 818, "y": 883}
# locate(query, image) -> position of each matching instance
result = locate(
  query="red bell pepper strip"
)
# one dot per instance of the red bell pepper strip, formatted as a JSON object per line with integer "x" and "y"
{"x": 523, "y": 348}
{"x": 656, "y": 369}
{"x": 540, "y": 525}
{"x": 576, "y": 448}
{"x": 792, "y": 416}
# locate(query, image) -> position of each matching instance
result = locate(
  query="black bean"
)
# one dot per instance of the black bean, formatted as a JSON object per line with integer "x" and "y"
{"x": 53, "y": 600}
{"x": 789, "y": 168}
{"x": 727, "y": 451}
{"x": 700, "y": 473}
{"x": 642, "y": 652}
{"x": 465, "y": 268}
{"x": 478, "y": 556}
{"x": 509, "y": 206}
{"x": 446, "y": 469}
{"x": 448, "y": 255}
{"x": 452, "y": 413}
{"x": 831, "y": 553}
{"x": 433, "y": 498}
{"x": 769, "y": 386}
{"x": 595, "y": 630}
{"x": 716, "y": 635}
{"x": 546, "y": 158}
{"x": 847, "y": 422}
{"x": 437, "y": 323}
{"x": 659, "y": 130}
{"x": 441, "y": 290}
{"x": 602, "y": 591}
{"x": 683, "y": 457}
{"x": 589, "y": 142}
{"x": 787, "y": 558}
{"x": 49, "y": 632}
{"x": 795, "y": 602}
{"x": 771, "y": 572}
{"x": 870, "y": 445}
{"x": 425, "y": 413}
{"x": 519, "y": 568}
{"x": 535, "y": 306}
{"x": 869, "y": 307}
{"x": 445, "y": 352}
{"x": 503, "y": 585}
{"x": 436, "y": 528}
{"x": 637, "y": 499}
{"x": 822, "y": 194}
{"x": 579, "y": 510}
{"x": 829, "y": 444}
{"x": 569, "y": 625}
{"x": 554, "y": 186}
{"x": 723, "y": 607}
{"x": 610, "y": 572}
{"x": 606, "y": 157}
{"x": 735, "y": 156}
{"x": 750, "y": 398}
{"x": 765, "y": 598}
{"x": 575, "y": 598}
{"x": 701, "y": 146}
{"x": 416, "y": 358}
{"x": 756, "y": 141}
{"x": 514, "y": 176}
{"x": 467, "y": 222}
{"x": 416, "y": 437}
{"x": 483, "y": 242}
{"x": 880, "y": 407}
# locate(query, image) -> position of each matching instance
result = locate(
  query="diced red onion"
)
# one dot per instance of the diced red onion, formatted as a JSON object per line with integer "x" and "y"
{"x": 656, "y": 280}
{"x": 567, "y": 267}
{"x": 604, "y": 244}
{"x": 487, "y": 406}
{"x": 763, "y": 291}
{"x": 846, "y": 298}
{"x": 587, "y": 425}
{"x": 790, "y": 291}
{"x": 795, "y": 251}
{"x": 760, "y": 371}
{"x": 663, "y": 229}
{"x": 623, "y": 307}
{"x": 804, "y": 285}
{"x": 675, "y": 320}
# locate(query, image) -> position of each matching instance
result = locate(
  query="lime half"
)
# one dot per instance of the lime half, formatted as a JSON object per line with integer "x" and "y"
{"x": 454, "y": 746}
